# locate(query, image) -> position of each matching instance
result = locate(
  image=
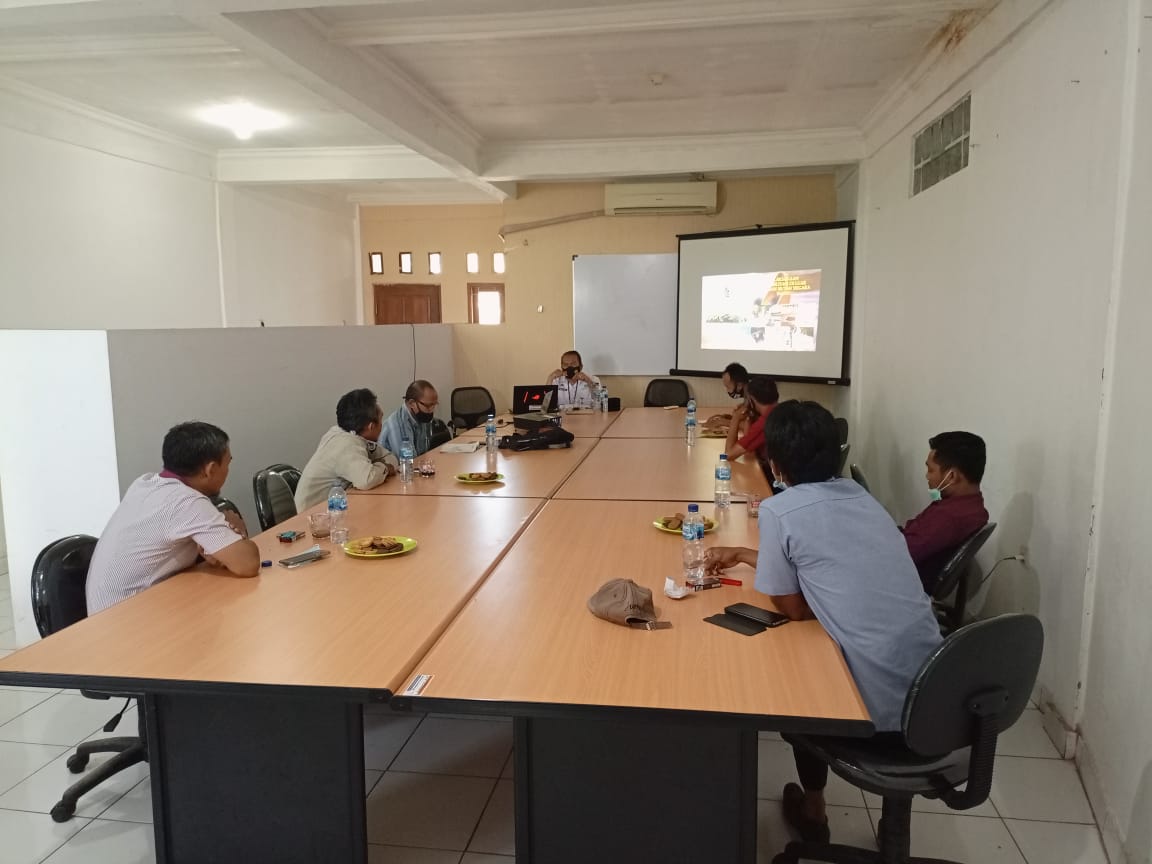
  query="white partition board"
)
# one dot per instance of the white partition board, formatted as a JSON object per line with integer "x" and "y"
{"x": 624, "y": 313}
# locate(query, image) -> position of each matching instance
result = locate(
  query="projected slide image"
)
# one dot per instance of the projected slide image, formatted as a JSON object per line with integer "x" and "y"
{"x": 775, "y": 311}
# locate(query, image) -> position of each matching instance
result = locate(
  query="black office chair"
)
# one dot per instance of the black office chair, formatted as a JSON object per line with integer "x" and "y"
{"x": 441, "y": 434}
{"x": 842, "y": 428}
{"x": 662, "y": 392}
{"x": 971, "y": 688}
{"x": 952, "y": 580}
{"x": 224, "y": 504}
{"x": 844, "y": 448}
{"x": 273, "y": 488}
{"x": 471, "y": 406}
{"x": 858, "y": 476}
{"x": 58, "y": 579}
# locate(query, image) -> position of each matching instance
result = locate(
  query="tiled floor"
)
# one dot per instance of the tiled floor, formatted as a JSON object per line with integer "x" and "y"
{"x": 439, "y": 791}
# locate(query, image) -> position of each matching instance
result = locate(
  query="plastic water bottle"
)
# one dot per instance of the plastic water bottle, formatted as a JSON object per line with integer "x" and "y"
{"x": 690, "y": 423}
{"x": 603, "y": 399}
{"x": 723, "y": 483}
{"x": 337, "y": 513}
{"x": 490, "y": 442}
{"x": 692, "y": 530}
{"x": 407, "y": 461}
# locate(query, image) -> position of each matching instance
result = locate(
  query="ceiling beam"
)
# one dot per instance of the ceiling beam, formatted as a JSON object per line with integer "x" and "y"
{"x": 358, "y": 81}
{"x": 689, "y": 154}
{"x": 66, "y": 48}
{"x": 39, "y": 13}
{"x": 326, "y": 165}
{"x": 635, "y": 17}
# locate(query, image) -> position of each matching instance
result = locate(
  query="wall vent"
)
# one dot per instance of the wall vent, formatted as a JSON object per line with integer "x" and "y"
{"x": 940, "y": 149}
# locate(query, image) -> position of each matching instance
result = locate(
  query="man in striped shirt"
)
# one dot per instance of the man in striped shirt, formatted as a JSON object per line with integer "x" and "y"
{"x": 166, "y": 521}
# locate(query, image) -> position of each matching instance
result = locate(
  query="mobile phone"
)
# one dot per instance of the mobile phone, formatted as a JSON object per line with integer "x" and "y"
{"x": 304, "y": 558}
{"x": 754, "y": 613}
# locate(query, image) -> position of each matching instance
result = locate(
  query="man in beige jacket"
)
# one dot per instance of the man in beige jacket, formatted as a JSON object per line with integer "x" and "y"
{"x": 348, "y": 452}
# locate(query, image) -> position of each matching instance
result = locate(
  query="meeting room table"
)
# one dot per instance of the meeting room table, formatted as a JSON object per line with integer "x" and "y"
{"x": 529, "y": 474}
{"x": 253, "y": 688}
{"x": 630, "y": 744}
{"x": 583, "y": 423}
{"x": 659, "y": 422}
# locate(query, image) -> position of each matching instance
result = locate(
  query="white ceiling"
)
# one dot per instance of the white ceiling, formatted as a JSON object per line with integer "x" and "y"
{"x": 486, "y": 90}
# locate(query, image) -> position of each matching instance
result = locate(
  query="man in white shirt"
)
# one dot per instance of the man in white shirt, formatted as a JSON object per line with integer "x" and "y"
{"x": 167, "y": 520}
{"x": 348, "y": 452}
{"x": 574, "y": 387}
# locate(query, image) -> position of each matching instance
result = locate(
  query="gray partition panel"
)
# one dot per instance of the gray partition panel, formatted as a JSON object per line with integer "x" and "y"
{"x": 273, "y": 390}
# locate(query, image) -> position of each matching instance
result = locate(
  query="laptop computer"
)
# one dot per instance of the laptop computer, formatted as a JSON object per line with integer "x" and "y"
{"x": 533, "y": 397}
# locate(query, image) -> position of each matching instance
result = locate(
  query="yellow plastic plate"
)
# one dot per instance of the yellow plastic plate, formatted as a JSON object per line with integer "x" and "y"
{"x": 709, "y": 526}
{"x": 350, "y": 548}
{"x": 463, "y": 478}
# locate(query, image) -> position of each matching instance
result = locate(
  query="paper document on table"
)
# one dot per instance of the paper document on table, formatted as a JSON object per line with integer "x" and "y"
{"x": 460, "y": 447}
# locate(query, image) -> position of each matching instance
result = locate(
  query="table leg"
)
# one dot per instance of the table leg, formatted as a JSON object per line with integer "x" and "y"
{"x": 246, "y": 779}
{"x": 612, "y": 792}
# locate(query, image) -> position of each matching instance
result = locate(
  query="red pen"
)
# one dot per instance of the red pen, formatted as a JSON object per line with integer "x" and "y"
{"x": 724, "y": 580}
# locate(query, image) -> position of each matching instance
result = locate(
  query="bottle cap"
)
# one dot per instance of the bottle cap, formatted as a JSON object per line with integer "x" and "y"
{"x": 693, "y": 508}
{"x": 723, "y": 457}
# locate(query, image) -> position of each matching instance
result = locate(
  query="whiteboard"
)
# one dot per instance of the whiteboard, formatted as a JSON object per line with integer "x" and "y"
{"x": 624, "y": 313}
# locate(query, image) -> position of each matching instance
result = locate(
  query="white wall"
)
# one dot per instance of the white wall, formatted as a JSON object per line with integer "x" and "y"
{"x": 984, "y": 304}
{"x": 288, "y": 259}
{"x": 59, "y": 469}
{"x": 1118, "y": 700}
{"x": 89, "y": 240}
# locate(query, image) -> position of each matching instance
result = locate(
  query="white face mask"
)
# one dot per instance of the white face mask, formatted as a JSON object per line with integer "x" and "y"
{"x": 936, "y": 494}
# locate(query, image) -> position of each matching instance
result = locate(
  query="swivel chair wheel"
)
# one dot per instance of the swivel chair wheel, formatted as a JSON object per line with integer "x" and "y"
{"x": 63, "y": 811}
{"x": 77, "y": 762}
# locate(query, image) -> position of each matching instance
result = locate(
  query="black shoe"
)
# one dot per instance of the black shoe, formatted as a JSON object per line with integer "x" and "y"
{"x": 810, "y": 830}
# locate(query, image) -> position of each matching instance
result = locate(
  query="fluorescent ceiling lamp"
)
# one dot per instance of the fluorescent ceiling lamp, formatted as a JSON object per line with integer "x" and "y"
{"x": 243, "y": 118}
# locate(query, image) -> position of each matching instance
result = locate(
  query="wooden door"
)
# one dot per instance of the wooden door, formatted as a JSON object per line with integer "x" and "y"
{"x": 406, "y": 304}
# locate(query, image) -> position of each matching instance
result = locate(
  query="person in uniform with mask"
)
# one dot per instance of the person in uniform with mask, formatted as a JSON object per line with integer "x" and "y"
{"x": 574, "y": 387}
{"x": 412, "y": 421}
{"x": 954, "y": 469}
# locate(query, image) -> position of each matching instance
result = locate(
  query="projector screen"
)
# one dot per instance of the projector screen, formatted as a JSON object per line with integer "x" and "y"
{"x": 774, "y": 299}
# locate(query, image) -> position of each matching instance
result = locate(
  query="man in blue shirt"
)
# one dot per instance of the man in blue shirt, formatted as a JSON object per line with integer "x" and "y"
{"x": 828, "y": 550}
{"x": 412, "y": 421}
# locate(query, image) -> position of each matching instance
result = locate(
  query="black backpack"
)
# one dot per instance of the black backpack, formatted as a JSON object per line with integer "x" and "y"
{"x": 538, "y": 439}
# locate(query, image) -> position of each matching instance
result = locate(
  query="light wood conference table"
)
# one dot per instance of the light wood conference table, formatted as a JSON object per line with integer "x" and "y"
{"x": 582, "y": 424}
{"x": 531, "y": 474}
{"x": 658, "y": 422}
{"x": 526, "y": 645}
{"x": 664, "y": 469}
{"x": 253, "y": 687}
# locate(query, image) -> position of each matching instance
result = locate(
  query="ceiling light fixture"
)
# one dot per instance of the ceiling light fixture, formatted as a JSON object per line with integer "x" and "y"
{"x": 243, "y": 118}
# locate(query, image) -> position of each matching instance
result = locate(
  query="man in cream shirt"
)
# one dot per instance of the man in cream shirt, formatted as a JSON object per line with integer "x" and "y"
{"x": 348, "y": 452}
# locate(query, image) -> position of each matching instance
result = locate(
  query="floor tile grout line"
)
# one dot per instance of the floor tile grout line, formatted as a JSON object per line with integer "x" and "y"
{"x": 118, "y": 798}
{"x": 457, "y": 776}
{"x": 400, "y": 749}
{"x": 476, "y": 827}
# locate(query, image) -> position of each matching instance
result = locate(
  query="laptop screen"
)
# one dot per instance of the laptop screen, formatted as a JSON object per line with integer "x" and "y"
{"x": 533, "y": 397}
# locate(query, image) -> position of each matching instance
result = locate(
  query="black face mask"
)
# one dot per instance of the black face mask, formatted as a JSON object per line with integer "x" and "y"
{"x": 570, "y": 371}
{"x": 423, "y": 416}
{"x": 735, "y": 394}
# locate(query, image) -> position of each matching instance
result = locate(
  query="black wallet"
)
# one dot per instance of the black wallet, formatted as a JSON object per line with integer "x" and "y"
{"x": 734, "y": 622}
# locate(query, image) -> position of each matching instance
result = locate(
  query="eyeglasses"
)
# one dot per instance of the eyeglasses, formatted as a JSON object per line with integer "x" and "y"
{"x": 431, "y": 407}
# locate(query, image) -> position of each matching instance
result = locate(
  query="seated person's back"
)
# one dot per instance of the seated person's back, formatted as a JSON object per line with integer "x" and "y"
{"x": 954, "y": 469}
{"x": 828, "y": 549}
{"x": 348, "y": 452}
{"x": 167, "y": 520}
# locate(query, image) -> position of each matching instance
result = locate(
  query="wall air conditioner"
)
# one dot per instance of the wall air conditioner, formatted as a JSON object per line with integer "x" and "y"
{"x": 653, "y": 199}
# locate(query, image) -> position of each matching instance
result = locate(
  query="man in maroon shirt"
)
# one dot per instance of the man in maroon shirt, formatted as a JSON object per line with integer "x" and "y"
{"x": 955, "y": 467}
